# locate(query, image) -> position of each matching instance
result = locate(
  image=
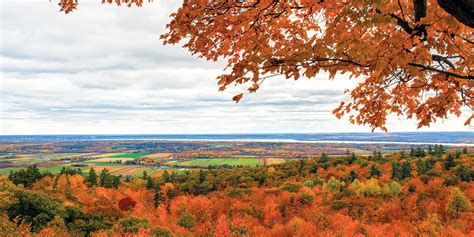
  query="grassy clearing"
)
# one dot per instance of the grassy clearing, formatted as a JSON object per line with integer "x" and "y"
{"x": 220, "y": 161}
{"x": 53, "y": 169}
{"x": 6, "y": 171}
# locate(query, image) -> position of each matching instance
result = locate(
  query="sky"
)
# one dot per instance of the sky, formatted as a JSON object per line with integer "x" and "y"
{"x": 103, "y": 70}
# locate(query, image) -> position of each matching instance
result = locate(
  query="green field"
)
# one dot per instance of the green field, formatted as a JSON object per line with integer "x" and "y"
{"x": 6, "y": 171}
{"x": 129, "y": 155}
{"x": 220, "y": 161}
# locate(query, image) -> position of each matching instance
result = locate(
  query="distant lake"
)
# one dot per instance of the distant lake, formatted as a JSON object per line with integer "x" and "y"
{"x": 445, "y": 138}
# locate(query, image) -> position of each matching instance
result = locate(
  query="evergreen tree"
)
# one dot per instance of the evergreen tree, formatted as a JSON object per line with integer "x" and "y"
{"x": 420, "y": 152}
{"x": 464, "y": 150}
{"x": 150, "y": 184}
{"x": 352, "y": 159}
{"x": 166, "y": 177}
{"x": 115, "y": 181}
{"x": 301, "y": 167}
{"x": 92, "y": 177}
{"x": 449, "y": 162}
{"x": 396, "y": 171}
{"x": 406, "y": 170}
{"x": 202, "y": 176}
{"x": 421, "y": 167}
{"x": 352, "y": 176}
{"x": 26, "y": 177}
{"x": 464, "y": 174}
{"x": 374, "y": 155}
{"x": 324, "y": 158}
{"x": 106, "y": 180}
{"x": 145, "y": 175}
{"x": 439, "y": 150}
{"x": 374, "y": 171}
{"x": 173, "y": 176}
{"x": 157, "y": 197}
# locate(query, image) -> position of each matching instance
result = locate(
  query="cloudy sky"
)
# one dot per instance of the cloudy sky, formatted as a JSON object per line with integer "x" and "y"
{"x": 103, "y": 70}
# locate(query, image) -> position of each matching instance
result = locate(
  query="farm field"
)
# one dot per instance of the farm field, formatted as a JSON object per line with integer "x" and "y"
{"x": 129, "y": 155}
{"x": 220, "y": 161}
{"x": 159, "y": 156}
{"x": 273, "y": 161}
{"x": 108, "y": 159}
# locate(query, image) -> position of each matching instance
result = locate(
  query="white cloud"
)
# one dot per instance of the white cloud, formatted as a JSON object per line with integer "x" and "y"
{"x": 103, "y": 69}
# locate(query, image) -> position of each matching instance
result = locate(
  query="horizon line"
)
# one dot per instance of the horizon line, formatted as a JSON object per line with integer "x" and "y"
{"x": 262, "y": 133}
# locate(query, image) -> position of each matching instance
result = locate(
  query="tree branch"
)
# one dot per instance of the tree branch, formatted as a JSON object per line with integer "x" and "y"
{"x": 462, "y": 10}
{"x": 467, "y": 77}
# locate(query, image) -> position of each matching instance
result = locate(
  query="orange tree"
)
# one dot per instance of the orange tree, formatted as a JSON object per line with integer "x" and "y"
{"x": 414, "y": 58}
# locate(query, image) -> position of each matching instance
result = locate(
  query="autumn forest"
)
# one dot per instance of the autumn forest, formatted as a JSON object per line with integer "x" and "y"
{"x": 423, "y": 192}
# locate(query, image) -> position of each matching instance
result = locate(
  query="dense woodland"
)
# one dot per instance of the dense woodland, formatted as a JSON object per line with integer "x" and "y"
{"x": 418, "y": 192}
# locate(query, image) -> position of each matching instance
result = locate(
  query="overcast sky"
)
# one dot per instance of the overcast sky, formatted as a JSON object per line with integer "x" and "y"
{"x": 104, "y": 70}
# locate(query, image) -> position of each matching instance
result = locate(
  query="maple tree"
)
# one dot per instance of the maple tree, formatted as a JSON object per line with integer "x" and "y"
{"x": 414, "y": 58}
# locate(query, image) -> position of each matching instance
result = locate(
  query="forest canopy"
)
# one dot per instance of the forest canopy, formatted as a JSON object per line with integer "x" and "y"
{"x": 414, "y": 58}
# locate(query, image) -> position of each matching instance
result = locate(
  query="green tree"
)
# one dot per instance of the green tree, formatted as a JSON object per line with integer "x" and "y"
{"x": 352, "y": 176}
{"x": 105, "y": 179}
{"x": 464, "y": 173}
{"x": 324, "y": 158}
{"x": 187, "y": 221}
{"x": 396, "y": 171}
{"x": 449, "y": 162}
{"x": 457, "y": 203}
{"x": 26, "y": 177}
{"x": 392, "y": 189}
{"x": 157, "y": 197}
{"x": 150, "y": 184}
{"x": 374, "y": 171}
{"x": 92, "y": 177}
{"x": 34, "y": 208}
{"x": 166, "y": 176}
{"x": 352, "y": 159}
{"x": 300, "y": 167}
{"x": 202, "y": 176}
{"x": 419, "y": 152}
{"x": 333, "y": 185}
{"x": 406, "y": 170}
{"x": 131, "y": 224}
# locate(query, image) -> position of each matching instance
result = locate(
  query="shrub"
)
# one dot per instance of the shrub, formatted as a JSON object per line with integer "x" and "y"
{"x": 187, "y": 221}
{"x": 306, "y": 199}
{"x": 291, "y": 187}
{"x": 131, "y": 224}
{"x": 160, "y": 232}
